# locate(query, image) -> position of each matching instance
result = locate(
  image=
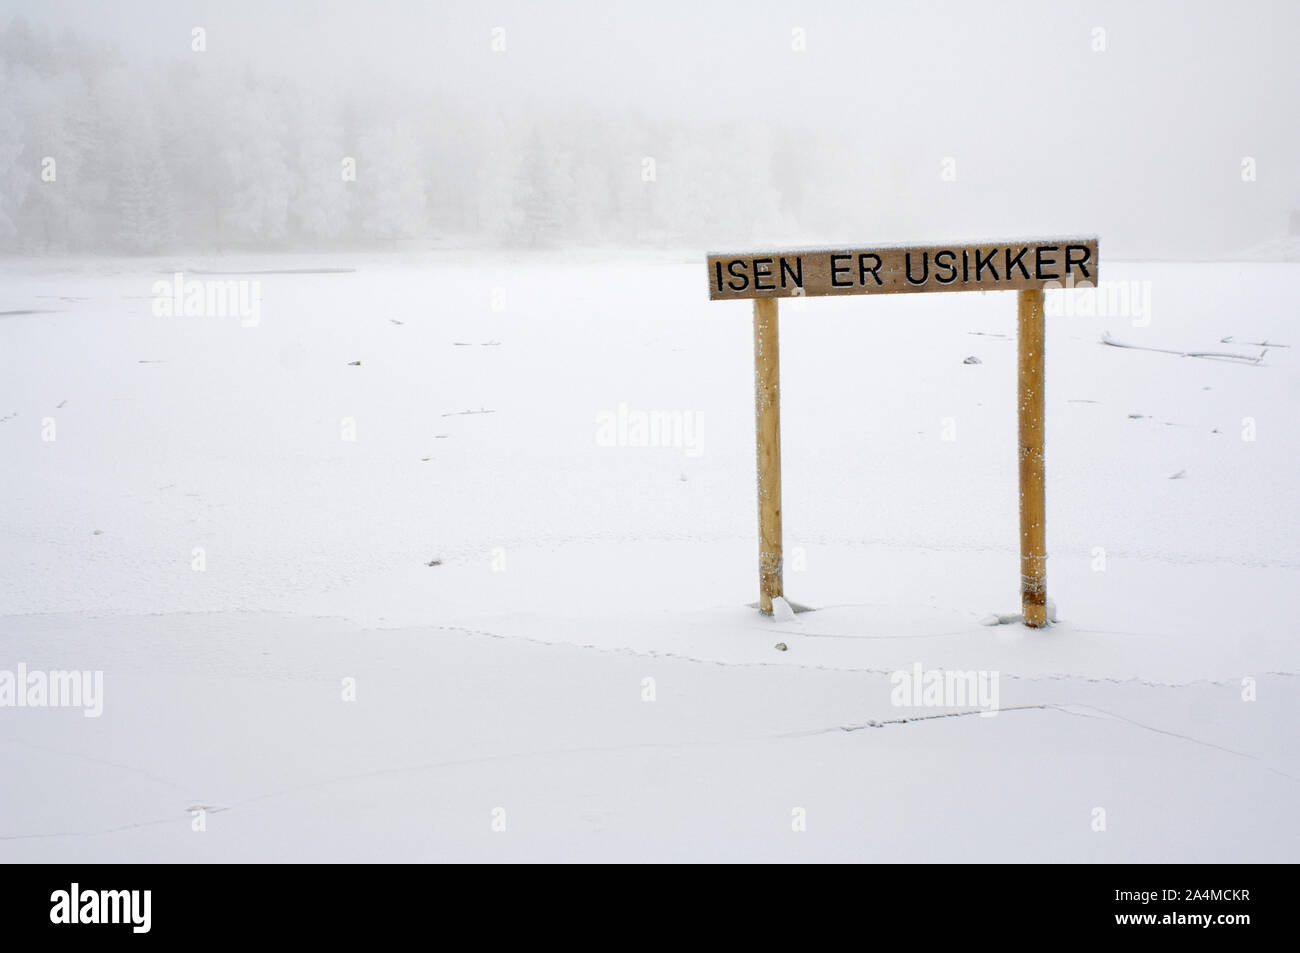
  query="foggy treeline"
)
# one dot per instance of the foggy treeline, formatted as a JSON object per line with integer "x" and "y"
{"x": 684, "y": 128}
{"x": 100, "y": 156}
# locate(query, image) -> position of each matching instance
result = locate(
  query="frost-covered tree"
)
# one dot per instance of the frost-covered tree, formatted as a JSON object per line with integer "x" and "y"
{"x": 199, "y": 154}
{"x": 390, "y": 193}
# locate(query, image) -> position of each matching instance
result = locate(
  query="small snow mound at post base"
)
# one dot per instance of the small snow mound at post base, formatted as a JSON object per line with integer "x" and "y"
{"x": 797, "y": 607}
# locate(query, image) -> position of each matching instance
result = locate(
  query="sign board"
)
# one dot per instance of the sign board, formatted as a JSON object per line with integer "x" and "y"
{"x": 1026, "y": 267}
{"x": 887, "y": 269}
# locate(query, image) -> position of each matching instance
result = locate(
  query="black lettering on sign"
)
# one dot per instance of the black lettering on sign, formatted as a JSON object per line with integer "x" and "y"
{"x": 951, "y": 267}
{"x": 925, "y": 268}
{"x": 1024, "y": 263}
{"x": 1082, "y": 262}
{"x": 744, "y": 278}
{"x": 864, "y": 269}
{"x": 991, "y": 262}
{"x": 837, "y": 268}
{"x": 1039, "y": 263}
{"x": 1016, "y": 263}
{"x": 796, "y": 273}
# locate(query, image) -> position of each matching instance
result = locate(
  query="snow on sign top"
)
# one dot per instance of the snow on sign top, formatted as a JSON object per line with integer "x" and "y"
{"x": 901, "y": 269}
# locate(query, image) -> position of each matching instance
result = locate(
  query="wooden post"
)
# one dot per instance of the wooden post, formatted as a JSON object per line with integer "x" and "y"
{"x": 1033, "y": 504}
{"x": 767, "y": 414}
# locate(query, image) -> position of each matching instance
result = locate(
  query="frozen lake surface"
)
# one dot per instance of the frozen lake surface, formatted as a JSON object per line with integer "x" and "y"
{"x": 235, "y": 521}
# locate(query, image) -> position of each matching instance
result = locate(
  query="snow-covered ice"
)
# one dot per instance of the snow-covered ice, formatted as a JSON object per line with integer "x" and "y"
{"x": 549, "y": 631}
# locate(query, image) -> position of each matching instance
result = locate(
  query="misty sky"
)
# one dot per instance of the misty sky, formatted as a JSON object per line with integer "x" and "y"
{"x": 1144, "y": 139}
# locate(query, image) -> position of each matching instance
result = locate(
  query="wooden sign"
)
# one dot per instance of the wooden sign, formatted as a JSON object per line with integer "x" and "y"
{"x": 1024, "y": 266}
{"x": 885, "y": 269}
